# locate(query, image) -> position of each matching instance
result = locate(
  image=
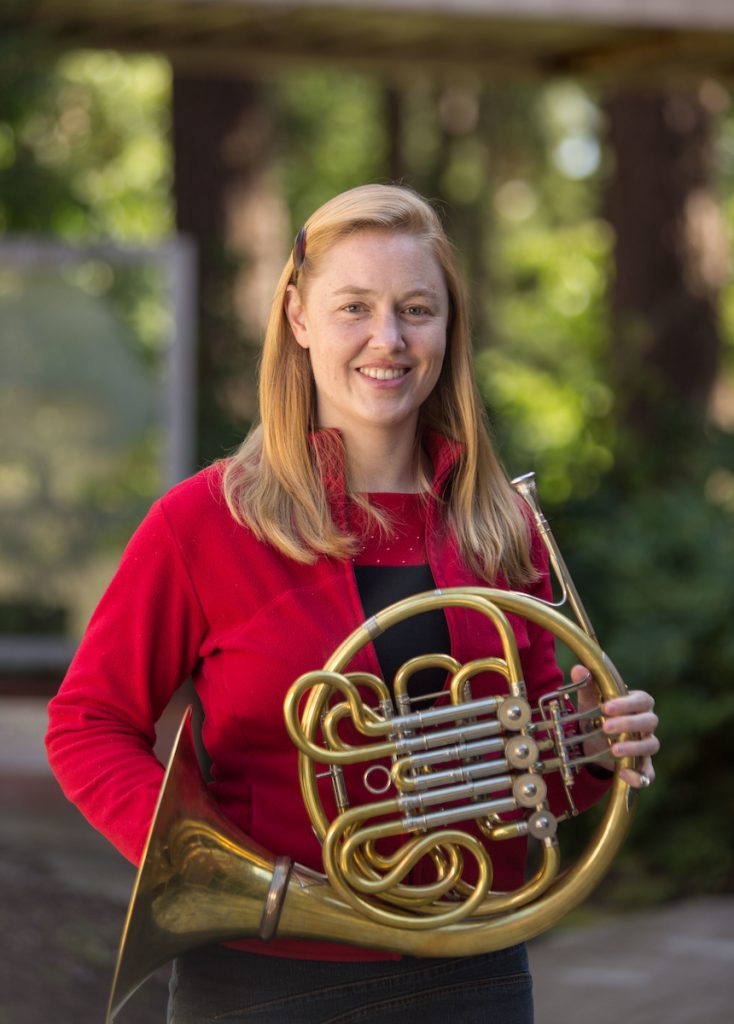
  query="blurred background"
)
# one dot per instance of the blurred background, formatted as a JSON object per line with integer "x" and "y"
{"x": 156, "y": 161}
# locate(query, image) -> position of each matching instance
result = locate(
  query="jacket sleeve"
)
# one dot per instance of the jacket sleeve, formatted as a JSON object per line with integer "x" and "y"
{"x": 141, "y": 644}
{"x": 542, "y": 675}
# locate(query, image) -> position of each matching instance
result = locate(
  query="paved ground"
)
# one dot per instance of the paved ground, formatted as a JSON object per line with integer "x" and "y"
{"x": 63, "y": 892}
{"x": 673, "y": 965}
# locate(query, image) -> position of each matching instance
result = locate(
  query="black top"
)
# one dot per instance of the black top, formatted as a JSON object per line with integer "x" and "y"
{"x": 426, "y": 633}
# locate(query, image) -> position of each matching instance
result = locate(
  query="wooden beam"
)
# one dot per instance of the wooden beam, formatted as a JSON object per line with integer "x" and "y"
{"x": 676, "y": 14}
{"x": 603, "y": 38}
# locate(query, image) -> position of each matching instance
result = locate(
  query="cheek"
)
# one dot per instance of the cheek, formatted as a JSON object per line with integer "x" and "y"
{"x": 439, "y": 353}
{"x": 438, "y": 359}
{"x": 325, "y": 363}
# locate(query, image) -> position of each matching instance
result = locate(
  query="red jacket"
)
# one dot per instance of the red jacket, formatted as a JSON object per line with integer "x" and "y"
{"x": 196, "y": 594}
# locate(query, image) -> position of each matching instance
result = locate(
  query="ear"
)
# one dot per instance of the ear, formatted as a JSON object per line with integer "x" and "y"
{"x": 296, "y": 313}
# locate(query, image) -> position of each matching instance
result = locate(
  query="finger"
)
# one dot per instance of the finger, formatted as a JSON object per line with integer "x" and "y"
{"x": 588, "y": 694}
{"x": 644, "y": 724}
{"x": 646, "y": 746}
{"x": 640, "y": 779}
{"x": 580, "y": 675}
{"x": 636, "y": 779}
{"x": 634, "y": 701}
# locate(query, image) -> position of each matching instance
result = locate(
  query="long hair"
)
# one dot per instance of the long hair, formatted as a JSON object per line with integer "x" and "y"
{"x": 275, "y": 484}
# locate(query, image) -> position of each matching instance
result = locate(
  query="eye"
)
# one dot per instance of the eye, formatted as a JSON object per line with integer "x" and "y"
{"x": 353, "y": 307}
{"x": 417, "y": 311}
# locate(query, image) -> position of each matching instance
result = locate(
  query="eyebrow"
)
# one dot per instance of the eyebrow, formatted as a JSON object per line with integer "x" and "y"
{"x": 354, "y": 289}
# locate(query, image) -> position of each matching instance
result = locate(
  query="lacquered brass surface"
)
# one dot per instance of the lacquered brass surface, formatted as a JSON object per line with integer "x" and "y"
{"x": 448, "y": 783}
{"x": 457, "y": 769}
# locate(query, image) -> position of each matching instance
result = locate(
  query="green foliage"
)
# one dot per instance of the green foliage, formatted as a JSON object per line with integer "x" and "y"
{"x": 83, "y": 157}
{"x": 654, "y": 568}
{"x": 651, "y": 560}
{"x": 542, "y": 368}
{"x": 83, "y": 144}
{"x": 332, "y": 136}
{"x": 543, "y": 375}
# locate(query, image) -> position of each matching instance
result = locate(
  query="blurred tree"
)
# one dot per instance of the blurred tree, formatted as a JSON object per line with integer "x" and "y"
{"x": 83, "y": 143}
{"x": 83, "y": 157}
{"x": 446, "y": 156}
{"x": 547, "y": 260}
{"x": 671, "y": 260}
{"x": 228, "y": 199}
{"x": 331, "y": 135}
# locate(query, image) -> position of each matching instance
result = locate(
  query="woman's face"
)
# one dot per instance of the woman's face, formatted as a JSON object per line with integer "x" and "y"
{"x": 374, "y": 319}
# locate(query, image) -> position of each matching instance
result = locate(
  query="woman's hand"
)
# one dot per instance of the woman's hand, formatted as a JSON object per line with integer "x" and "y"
{"x": 632, "y": 713}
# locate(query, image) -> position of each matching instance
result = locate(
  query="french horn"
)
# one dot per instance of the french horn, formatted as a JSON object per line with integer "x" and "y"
{"x": 449, "y": 780}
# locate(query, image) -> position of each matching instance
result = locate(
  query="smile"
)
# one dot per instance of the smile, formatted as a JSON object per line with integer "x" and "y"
{"x": 380, "y": 373}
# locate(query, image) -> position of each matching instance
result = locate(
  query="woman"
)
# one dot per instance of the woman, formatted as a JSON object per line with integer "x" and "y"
{"x": 370, "y": 476}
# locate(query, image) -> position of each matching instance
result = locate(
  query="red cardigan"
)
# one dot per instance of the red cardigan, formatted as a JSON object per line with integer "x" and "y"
{"x": 197, "y": 595}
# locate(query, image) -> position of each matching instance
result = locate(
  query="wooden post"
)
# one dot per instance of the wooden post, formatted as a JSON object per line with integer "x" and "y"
{"x": 227, "y": 200}
{"x": 670, "y": 261}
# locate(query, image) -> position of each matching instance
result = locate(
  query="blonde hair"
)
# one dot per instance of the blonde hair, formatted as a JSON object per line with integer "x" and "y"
{"x": 275, "y": 482}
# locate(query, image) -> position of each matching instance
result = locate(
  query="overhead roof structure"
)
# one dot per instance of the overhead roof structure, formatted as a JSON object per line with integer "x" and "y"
{"x": 599, "y": 38}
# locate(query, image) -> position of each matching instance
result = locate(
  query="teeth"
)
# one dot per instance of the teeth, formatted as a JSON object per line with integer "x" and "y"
{"x": 377, "y": 373}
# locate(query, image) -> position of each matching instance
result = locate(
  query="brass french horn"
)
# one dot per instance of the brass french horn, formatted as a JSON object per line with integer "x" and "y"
{"x": 480, "y": 762}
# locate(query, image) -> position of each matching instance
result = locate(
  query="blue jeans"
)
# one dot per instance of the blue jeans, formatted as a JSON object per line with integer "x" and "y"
{"x": 222, "y": 984}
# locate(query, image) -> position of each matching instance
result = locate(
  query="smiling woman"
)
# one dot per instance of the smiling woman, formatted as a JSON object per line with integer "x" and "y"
{"x": 276, "y": 484}
{"x": 376, "y": 346}
{"x": 370, "y": 477}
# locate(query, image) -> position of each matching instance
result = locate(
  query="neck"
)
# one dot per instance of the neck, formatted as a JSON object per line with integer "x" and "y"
{"x": 383, "y": 462}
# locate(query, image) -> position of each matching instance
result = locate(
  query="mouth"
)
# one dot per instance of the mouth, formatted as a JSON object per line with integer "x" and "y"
{"x": 383, "y": 373}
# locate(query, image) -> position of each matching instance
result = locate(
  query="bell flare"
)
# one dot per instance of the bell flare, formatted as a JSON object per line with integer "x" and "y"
{"x": 201, "y": 879}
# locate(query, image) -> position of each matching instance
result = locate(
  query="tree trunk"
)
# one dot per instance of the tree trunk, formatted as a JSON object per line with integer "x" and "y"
{"x": 394, "y": 117}
{"x": 227, "y": 199}
{"x": 670, "y": 260}
{"x": 458, "y": 177}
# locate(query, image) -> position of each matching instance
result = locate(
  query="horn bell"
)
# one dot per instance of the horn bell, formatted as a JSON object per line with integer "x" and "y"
{"x": 201, "y": 880}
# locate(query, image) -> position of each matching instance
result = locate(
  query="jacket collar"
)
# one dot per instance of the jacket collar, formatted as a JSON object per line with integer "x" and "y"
{"x": 445, "y": 454}
{"x": 328, "y": 448}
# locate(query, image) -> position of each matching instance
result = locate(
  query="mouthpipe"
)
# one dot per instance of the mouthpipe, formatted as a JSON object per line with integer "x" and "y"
{"x": 526, "y": 487}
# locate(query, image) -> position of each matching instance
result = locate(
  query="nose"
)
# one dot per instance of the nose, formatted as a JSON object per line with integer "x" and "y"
{"x": 388, "y": 332}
